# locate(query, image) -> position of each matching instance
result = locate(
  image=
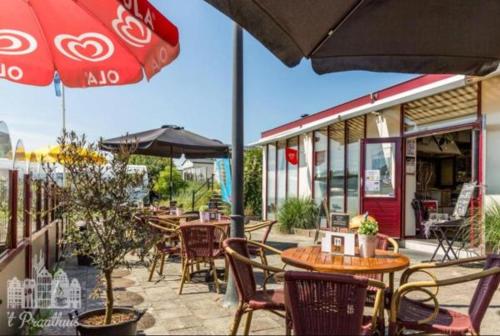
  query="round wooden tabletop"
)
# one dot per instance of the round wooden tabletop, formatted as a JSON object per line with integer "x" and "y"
{"x": 175, "y": 217}
{"x": 312, "y": 258}
{"x": 221, "y": 222}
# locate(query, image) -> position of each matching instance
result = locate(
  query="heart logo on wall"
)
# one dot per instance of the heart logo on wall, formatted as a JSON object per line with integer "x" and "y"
{"x": 91, "y": 47}
{"x": 130, "y": 29}
{"x": 16, "y": 42}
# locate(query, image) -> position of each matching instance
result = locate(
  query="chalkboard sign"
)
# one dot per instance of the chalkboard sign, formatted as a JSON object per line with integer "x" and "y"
{"x": 339, "y": 220}
{"x": 464, "y": 199}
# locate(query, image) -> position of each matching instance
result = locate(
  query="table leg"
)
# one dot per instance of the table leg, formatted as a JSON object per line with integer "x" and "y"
{"x": 391, "y": 281}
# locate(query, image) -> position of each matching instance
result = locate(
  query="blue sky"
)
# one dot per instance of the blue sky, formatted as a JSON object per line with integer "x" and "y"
{"x": 194, "y": 91}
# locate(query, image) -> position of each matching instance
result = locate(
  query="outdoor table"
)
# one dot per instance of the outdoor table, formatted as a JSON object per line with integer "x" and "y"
{"x": 222, "y": 222}
{"x": 178, "y": 218}
{"x": 442, "y": 232}
{"x": 311, "y": 258}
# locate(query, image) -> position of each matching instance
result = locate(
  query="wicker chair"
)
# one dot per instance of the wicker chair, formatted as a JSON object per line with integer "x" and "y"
{"x": 168, "y": 244}
{"x": 415, "y": 314}
{"x": 251, "y": 299}
{"x": 201, "y": 243}
{"x": 257, "y": 251}
{"x": 330, "y": 304}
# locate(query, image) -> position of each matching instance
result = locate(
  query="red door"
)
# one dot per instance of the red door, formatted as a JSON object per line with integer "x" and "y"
{"x": 381, "y": 187}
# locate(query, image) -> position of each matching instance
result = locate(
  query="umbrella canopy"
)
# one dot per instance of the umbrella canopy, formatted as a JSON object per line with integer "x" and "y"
{"x": 55, "y": 154}
{"x": 425, "y": 36}
{"x": 170, "y": 141}
{"x": 89, "y": 42}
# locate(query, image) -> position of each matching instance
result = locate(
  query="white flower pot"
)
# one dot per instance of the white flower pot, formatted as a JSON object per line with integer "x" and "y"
{"x": 367, "y": 245}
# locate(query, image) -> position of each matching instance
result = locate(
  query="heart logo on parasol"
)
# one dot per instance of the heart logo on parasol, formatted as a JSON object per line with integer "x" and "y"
{"x": 130, "y": 29}
{"x": 16, "y": 42}
{"x": 92, "y": 47}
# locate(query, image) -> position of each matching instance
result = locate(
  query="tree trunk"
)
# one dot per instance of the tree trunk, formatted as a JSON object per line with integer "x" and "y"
{"x": 109, "y": 297}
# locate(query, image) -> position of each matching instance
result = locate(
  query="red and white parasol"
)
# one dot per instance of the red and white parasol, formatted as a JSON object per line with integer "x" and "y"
{"x": 89, "y": 42}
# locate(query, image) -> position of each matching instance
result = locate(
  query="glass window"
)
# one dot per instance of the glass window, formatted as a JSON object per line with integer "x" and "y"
{"x": 337, "y": 166}
{"x": 320, "y": 165}
{"x": 271, "y": 182}
{"x": 380, "y": 171}
{"x": 305, "y": 164}
{"x": 292, "y": 158}
{"x": 355, "y": 134}
{"x": 281, "y": 189}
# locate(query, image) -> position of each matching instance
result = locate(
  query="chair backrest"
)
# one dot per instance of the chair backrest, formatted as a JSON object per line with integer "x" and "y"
{"x": 242, "y": 272}
{"x": 200, "y": 240}
{"x": 484, "y": 292}
{"x": 325, "y": 304}
{"x": 269, "y": 227}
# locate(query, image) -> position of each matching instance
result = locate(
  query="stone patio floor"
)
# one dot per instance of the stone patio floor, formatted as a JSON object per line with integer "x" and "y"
{"x": 199, "y": 310}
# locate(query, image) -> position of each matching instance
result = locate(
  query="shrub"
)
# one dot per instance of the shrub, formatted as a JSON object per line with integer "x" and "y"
{"x": 162, "y": 184}
{"x": 492, "y": 227}
{"x": 299, "y": 213}
{"x": 252, "y": 182}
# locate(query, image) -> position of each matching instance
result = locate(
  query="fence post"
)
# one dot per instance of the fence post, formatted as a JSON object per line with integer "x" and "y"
{"x": 13, "y": 208}
{"x": 27, "y": 206}
{"x": 46, "y": 203}
{"x": 38, "y": 205}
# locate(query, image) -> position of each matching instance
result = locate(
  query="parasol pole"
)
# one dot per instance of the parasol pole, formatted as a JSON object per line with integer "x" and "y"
{"x": 63, "y": 102}
{"x": 237, "y": 227}
{"x": 171, "y": 185}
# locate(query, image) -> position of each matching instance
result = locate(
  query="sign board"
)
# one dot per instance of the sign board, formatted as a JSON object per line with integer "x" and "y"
{"x": 339, "y": 219}
{"x": 464, "y": 199}
{"x": 411, "y": 148}
{"x": 372, "y": 183}
{"x": 339, "y": 243}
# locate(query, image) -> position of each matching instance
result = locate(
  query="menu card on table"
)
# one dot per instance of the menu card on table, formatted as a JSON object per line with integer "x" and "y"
{"x": 339, "y": 243}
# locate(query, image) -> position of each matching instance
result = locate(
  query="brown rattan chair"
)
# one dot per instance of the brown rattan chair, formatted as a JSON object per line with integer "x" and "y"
{"x": 257, "y": 251}
{"x": 413, "y": 314}
{"x": 201, "y": 243}
{"x": 167, "y": 245}
{"x": 330, "y": 304}
{"x": 250, "y": 298}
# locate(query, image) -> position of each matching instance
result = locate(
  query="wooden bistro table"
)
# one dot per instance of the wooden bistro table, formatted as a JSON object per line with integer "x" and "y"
{"x": 187, "y": 217}
{"x": 311, "y": 258}
{"x": 222, "y": 223}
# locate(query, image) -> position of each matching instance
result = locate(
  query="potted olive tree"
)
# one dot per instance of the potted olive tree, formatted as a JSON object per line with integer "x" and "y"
{"x": 99, "y": 194}
{"x": 367, "y": 237}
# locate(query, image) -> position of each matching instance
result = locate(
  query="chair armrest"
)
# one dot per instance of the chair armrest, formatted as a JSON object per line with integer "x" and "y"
{"x": 422, "y": 286}
{"x": 394, "y": 244}
{"x": 420, "y": 267}
{"x": 264, "y": 246}
{"x": 248, "y": 261}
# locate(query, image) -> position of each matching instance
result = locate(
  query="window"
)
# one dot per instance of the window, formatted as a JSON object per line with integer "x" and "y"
{"x": 320, "y": 161}
{"x": 281, "y": 176}
{"x": 355, "y": 129}
{"x": 337, "y": 166}
{"x": 292, "y": 159}
{"x": 380, "y": 174}
{"x": 305, "y": 156}
{"x": 271, "y": 182}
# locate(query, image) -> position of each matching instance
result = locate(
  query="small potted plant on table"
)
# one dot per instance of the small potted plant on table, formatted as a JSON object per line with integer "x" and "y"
{"x": 367, "y": 237}
{"x": 100, "y": 196}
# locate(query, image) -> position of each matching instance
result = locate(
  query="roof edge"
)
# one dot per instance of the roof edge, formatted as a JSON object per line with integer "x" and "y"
{"x": 387, "y": 92}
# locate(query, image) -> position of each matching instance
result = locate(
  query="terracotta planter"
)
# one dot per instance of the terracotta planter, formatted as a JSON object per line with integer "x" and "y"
{"x": 367, "y": 245}
{"x": 124, "y": 328}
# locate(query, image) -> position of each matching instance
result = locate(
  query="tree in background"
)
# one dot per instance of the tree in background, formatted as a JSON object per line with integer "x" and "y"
{"x": 252, "y": 182}
{"x": 162, "y": 183}
{"x": 154, "y": 164}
